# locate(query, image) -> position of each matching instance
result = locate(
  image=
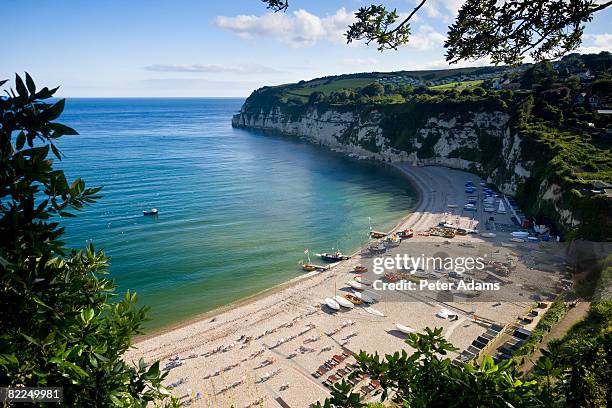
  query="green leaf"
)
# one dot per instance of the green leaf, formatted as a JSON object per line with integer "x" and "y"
{"x": 46, "y": 93}
{"x": 30, "y": 84}
{"x": 55, "y": 110}
{"x": 21, "y": 139}
{"x": 21, "y": 88}
{"x": 62, "y": 129}
{"x": 56, "y": 151}
{"x": 30, "y": 339}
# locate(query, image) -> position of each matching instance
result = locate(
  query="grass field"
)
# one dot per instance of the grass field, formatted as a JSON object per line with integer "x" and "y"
{"x": 459, "y": 86}
{"x": 327, "y": 86}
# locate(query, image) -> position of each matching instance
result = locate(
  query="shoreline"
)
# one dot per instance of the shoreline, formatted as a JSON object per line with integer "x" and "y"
{"x": 288, "y": 329}
{"x": 414, "y": 183}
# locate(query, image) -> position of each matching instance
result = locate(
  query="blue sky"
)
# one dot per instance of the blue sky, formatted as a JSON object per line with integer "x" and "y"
{"x": 211, "y": 48}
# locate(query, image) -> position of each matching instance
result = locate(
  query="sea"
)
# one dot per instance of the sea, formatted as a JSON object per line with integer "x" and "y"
{"x": 237, "y": 209}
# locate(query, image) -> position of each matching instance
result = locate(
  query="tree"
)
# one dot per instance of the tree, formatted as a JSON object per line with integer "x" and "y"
{"x": 61, "y": 322}
{"x": 316, "y": 97}
{"x": 574, "y": 373}
{"x": 374, "y": 89}
{"x": 427, "y": 379}
{"x": 505, "y": 31}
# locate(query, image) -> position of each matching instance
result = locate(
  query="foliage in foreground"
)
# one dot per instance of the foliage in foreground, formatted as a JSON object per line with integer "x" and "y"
{"x": 427, "y": 378}
{"x": 61, "y": 324}
{"x": 506, "y": 31}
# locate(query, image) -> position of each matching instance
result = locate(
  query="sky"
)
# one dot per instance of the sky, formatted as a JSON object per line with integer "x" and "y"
{"x": 188, "y": 48}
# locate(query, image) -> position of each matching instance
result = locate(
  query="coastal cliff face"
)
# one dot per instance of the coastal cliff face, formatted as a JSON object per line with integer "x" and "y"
{"x": 455, "y": 141}
{"x": 478, "y": 138}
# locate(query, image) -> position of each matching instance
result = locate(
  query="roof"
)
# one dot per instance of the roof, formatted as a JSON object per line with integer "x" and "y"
{"x": 600, "y": 184}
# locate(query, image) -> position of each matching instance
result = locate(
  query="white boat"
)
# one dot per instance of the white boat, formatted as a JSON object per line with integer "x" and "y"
{"x": 356, "y": 285}
{"x": 152, "y": 211}
{"x": 442, "y": 315}
{"x": 520, "y": 234}
{"x": 373, "y": 311}
{"x": 343, "y": 302}
{"x": 364, "y": 298}
{"x": 362, "y": 280}
{"x": 488, "y": 235}
{"x": 332, "y": 304}
{"x": 404, "y": 329}
{"x": 445, "y": 313}
{"x": 517, "y": 240}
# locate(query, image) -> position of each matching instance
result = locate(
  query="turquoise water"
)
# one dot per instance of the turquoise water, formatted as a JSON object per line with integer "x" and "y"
{"x": 236, "y": 208}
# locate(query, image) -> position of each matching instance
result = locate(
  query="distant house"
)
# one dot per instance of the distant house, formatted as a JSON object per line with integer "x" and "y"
{"x": 584, "y": 75}
{"x": 600, "y": 185}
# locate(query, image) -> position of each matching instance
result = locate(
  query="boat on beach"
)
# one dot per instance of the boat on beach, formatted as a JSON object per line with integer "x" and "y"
{"x": 152, "y": 211}
{"x": 373, "y": 311}
{"x": 362, "y": 280}
{"x": 344, "y": 302}
{"x": 404, "y": 329}
{"x": 360, "y": 269}
{"x": 356, "y": 285}
{"x": 332, "y": 304}
{"x": 520, "y": 234}
{"x": 377, "y": 234}
{"x": 353, "y": 299}
{"x": 363, "y": 297}
{"x": 392, "y": 241}
{"x": 407, "y": 233}
{"x": 333, "y": 257}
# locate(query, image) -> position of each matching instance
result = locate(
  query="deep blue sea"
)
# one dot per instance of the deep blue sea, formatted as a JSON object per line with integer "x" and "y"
{"x": 236, "y": 208}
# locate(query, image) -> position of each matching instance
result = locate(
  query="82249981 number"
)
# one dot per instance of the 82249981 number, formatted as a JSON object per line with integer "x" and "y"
{"x": 31, "y": 394}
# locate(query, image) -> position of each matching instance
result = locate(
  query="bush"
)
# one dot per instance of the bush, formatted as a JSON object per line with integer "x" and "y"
{"x": 62, "y": 325}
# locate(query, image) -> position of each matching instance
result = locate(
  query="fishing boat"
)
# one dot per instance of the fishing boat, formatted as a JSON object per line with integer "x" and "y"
{"x": 488, "y": 235}
{"x": 407, "y": 233}
{"x": 332, "y": 304}
{"x": 362, "y": 280}
{"x": 377, "y": 234}
{"x": 520, "y": 234}
{"x": 333, "y": 257}
{"x": 392, "y": 241}
{"x": 373, "y": 311}
{"x": 355, "y": 285}
{"x": 344, "y": 302}
{"x": 152, "y": 211}
{"x": 404, "y": 329}
{"x": 308, "y": 266}
{"x": 517, "y": 240}
{"x": 353, "y": 299}
{"x": 363, "y": 297}
{"x": 360, "y": 269}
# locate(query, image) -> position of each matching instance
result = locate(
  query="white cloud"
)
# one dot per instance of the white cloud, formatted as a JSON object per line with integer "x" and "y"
{"x": 596, "y": 43}
{"x": 212, "y": 68}
{"x": 446, "y": 10}
{"x": 298, "y": 29}
{"x": 425, "y": 38}
{"x": 301, "y": 28}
